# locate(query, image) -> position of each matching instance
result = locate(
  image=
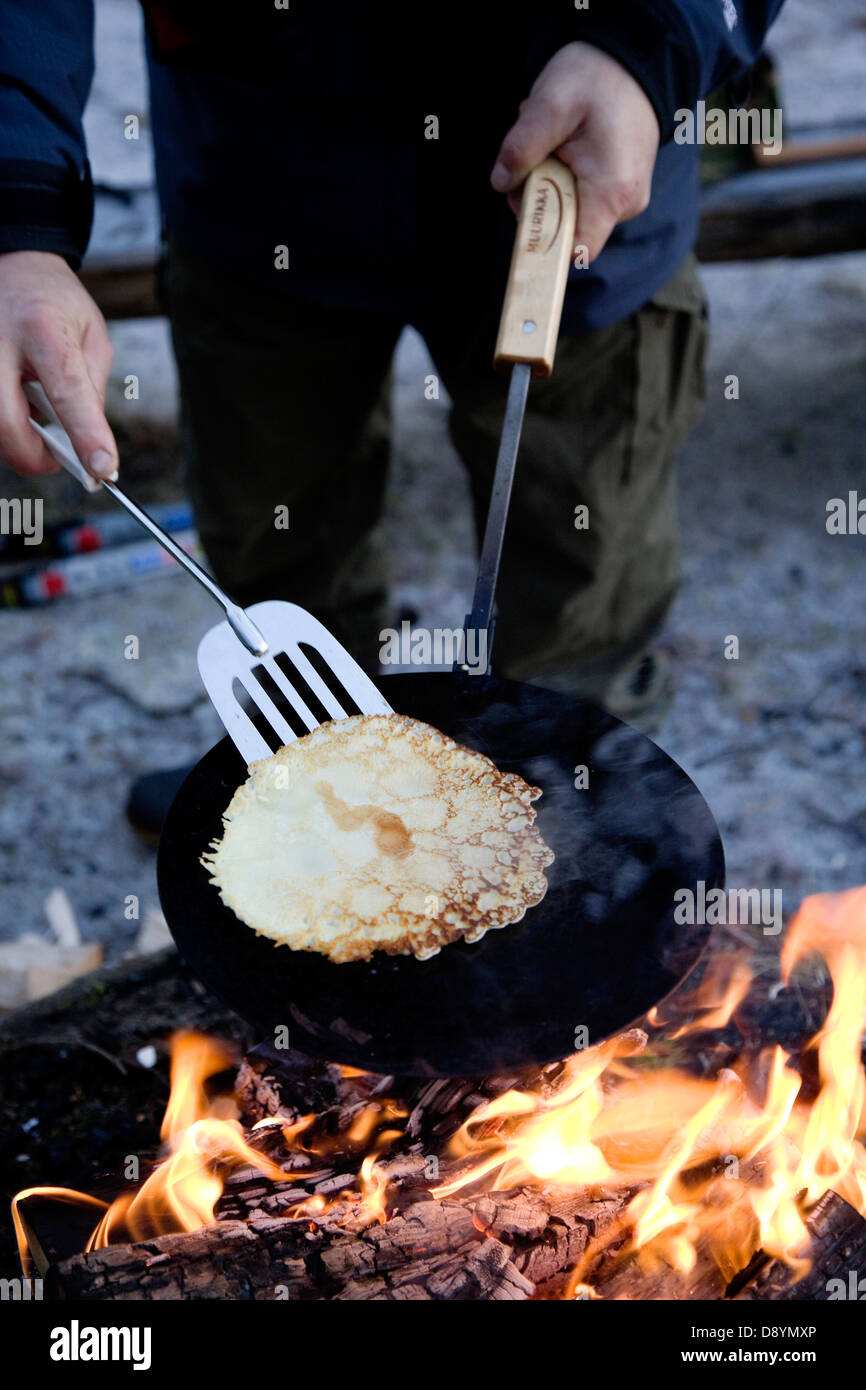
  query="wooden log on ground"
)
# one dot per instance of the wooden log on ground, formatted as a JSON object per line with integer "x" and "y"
{"x": 435, "y": 1251}
{"x": 497, "y": 1247}
{"x": 120, "y": 268}
{"x": 802, "y": 210}
{"x": 120, "y": 1008}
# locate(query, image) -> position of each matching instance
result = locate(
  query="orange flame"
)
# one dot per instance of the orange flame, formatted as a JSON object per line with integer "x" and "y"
{"x": 724, "y": 986}
{"x": 835, "y": 926}
{"x": 374, "y": 1183}
{"x": 202, "y": 1136}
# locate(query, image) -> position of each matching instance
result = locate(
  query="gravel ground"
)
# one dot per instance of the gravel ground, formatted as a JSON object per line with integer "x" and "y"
{"x": 774, "y": 739}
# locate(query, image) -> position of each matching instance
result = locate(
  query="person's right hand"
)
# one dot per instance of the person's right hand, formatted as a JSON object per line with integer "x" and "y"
{"x": 52, "y": 332}
{"x": 586, "y": 108}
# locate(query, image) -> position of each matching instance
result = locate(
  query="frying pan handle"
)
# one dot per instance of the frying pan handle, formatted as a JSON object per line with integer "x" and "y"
{"x": 542, "y": 254}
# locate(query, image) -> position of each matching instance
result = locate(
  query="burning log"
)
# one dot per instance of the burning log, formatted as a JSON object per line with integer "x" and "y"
{"x": 837, "y": 1251}
{"x": 433, "y": 1252}
{"x": 501, "y": 1246}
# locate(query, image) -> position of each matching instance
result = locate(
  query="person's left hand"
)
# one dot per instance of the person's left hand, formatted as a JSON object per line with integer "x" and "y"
{"x": 586, "y": 108}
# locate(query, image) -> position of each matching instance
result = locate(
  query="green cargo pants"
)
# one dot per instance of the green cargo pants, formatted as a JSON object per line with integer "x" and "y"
{"x": 286, "y": 405}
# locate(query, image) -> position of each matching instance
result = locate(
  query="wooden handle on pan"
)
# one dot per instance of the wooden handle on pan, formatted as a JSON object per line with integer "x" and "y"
{"x": 542, "y": 254}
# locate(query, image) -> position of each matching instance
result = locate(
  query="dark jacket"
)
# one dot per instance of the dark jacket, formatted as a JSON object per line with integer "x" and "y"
{"x": 305, "y": 127}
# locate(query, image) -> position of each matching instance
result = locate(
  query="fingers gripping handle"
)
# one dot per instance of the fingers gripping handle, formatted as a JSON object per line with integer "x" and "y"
{"x": 59, "y": 444}
{"x": 535, "y": 291}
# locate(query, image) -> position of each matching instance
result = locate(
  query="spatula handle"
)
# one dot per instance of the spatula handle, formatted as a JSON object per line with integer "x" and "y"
{"x": 542, "y": 253}
{"x": 61, "y": 448}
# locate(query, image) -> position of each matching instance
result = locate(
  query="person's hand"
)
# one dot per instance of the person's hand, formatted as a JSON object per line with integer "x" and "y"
{"x": 589, "y": 111}
{"x": 52, "y": 332}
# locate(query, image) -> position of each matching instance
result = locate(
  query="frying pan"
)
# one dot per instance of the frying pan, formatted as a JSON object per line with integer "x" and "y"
{"x": 599, "y": 950}
{"x": 602, "y": 946}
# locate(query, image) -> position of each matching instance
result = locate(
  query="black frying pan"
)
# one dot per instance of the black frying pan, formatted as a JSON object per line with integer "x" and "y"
{"x": 595, "y": 954}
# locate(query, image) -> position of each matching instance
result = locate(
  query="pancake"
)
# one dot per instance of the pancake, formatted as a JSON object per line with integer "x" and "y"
{"x": 379, "y": 833}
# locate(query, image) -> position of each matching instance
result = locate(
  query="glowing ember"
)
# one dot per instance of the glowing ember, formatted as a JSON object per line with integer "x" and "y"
{"x": 730, "y": 1164}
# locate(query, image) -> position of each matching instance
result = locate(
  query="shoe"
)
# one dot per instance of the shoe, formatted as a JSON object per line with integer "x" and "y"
{"x": 150, "y": 799}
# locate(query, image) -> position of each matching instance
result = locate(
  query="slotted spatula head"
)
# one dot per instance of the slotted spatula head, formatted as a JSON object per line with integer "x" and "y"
{"x": 304, "y": 664}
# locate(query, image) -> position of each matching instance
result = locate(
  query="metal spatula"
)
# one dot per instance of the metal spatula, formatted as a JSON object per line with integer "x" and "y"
{"x": 253, "y": 644}
{"x": 290, "y": 633}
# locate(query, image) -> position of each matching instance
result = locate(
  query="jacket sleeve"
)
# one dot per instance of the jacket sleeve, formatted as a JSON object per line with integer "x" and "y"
{"x": 678, "y": 50}
{"x": 46, "y": 67}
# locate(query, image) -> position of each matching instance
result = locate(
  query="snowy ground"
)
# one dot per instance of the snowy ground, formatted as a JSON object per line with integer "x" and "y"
{"x": 775, "y": 739}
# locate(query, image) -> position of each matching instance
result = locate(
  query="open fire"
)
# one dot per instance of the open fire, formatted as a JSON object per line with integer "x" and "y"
{"x": 728, "y": 1163}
